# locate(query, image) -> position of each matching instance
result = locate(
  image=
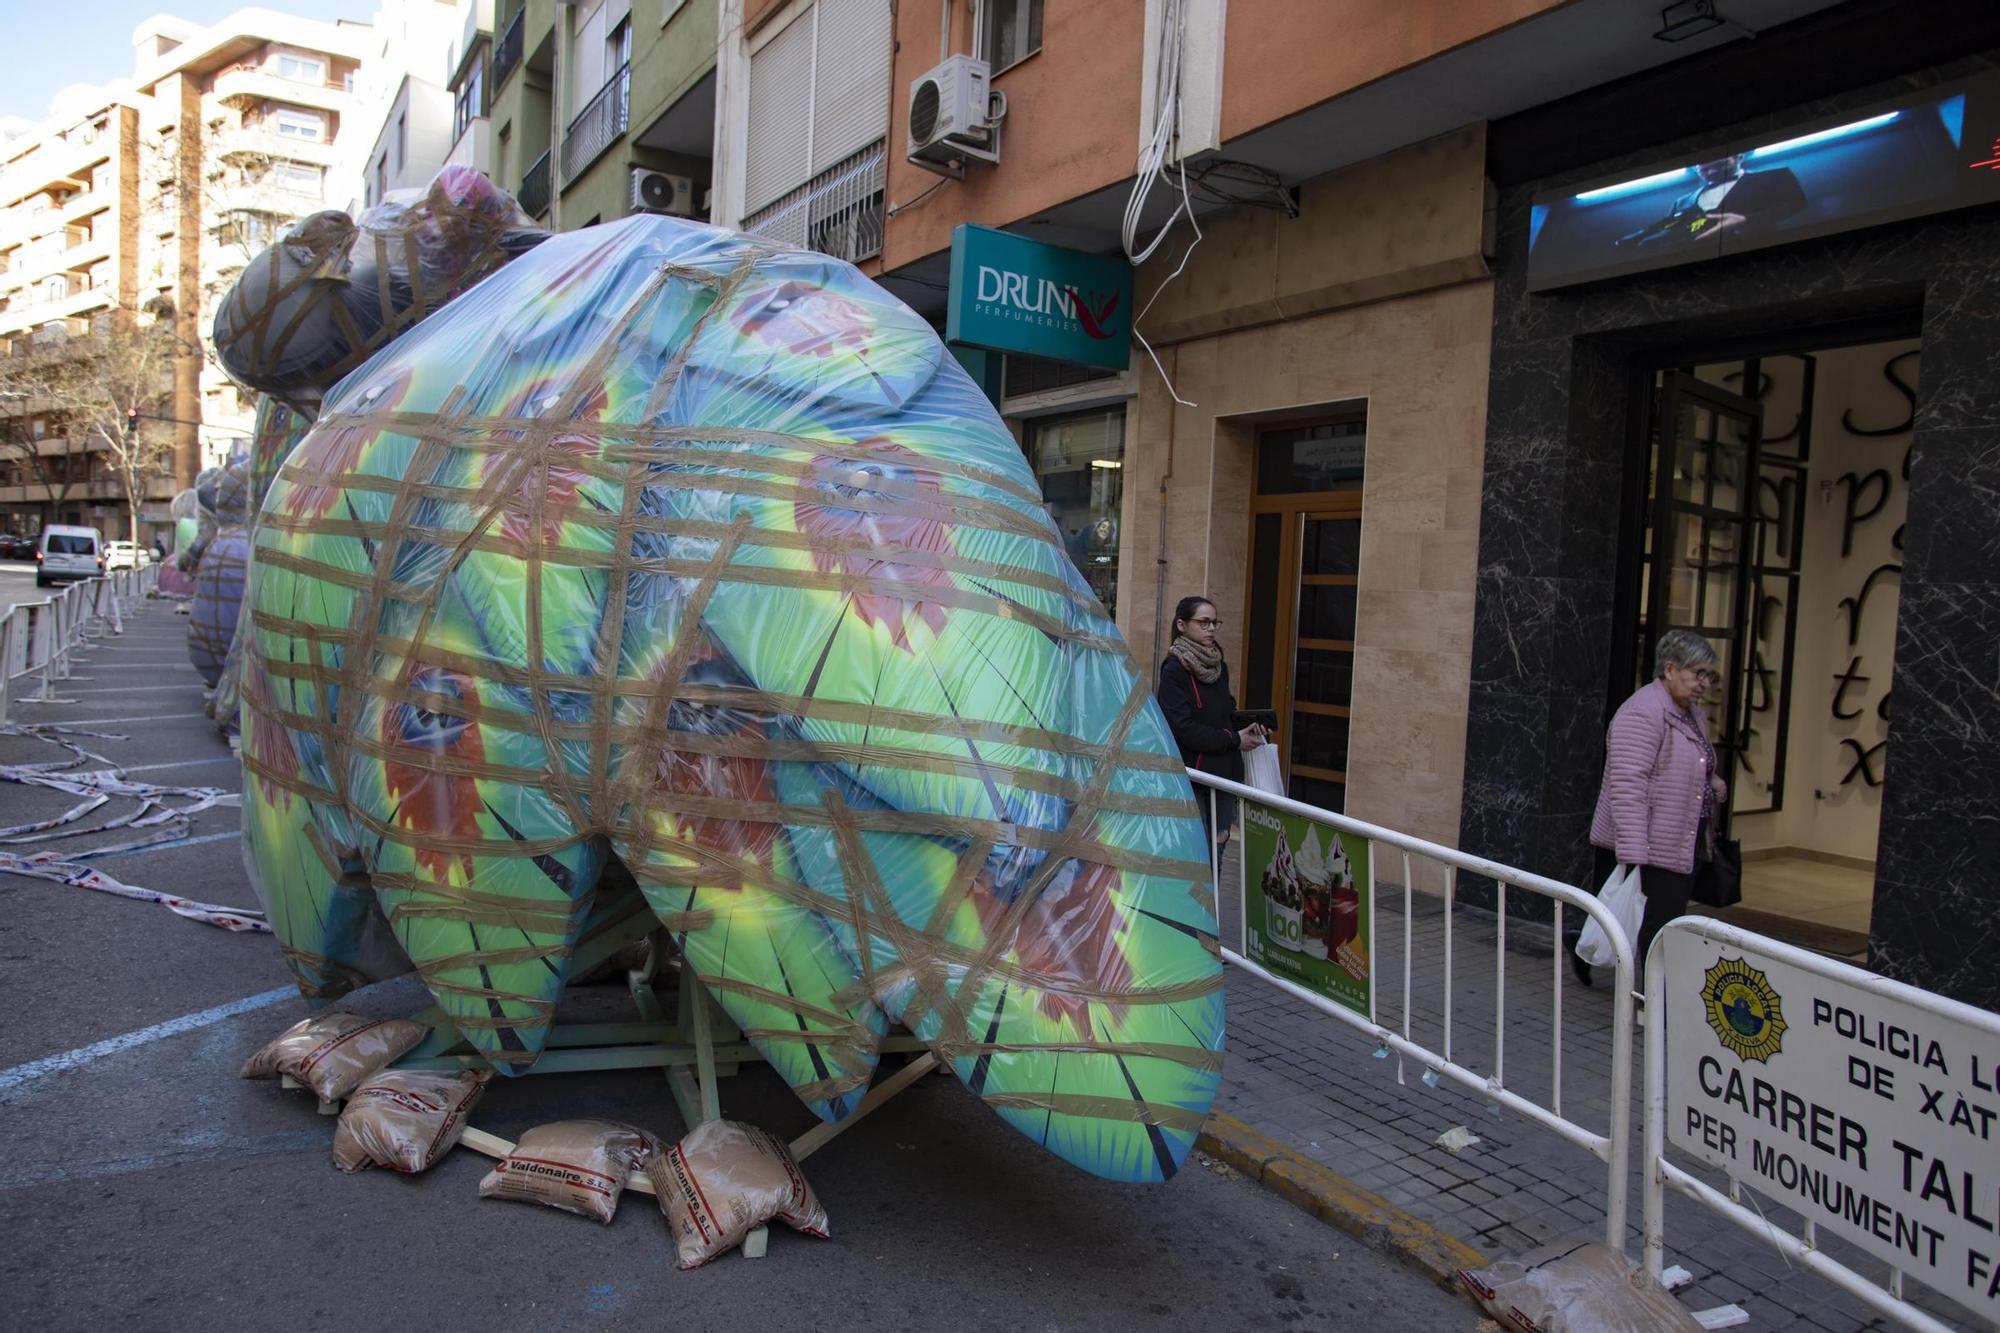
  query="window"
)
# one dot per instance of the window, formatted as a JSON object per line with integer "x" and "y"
{"x": 1079, "y": 462}
{"x": 1009, "y": 31}
{"x": 470, "y": 101}
{"x": 296, "y": 177}
{"x": 381, "y": 178}
{"x": 301, "y": 69}
{"x": 302, "y": 125}
{"x": 817, "y": 96}
{"x": 402, "y": 140}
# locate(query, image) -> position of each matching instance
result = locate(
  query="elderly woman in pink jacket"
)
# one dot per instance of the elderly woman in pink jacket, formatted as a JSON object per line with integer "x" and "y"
{"x": 1657, "y": 807}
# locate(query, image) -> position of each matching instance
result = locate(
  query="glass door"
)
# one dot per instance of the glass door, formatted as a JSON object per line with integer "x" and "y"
{"x": 1705, "y": 488}
{"x": 1300, "y": 643}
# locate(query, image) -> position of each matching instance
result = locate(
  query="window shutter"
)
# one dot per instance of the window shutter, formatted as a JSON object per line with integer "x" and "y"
{"x": 781, "y": 72}
{"x": 851, "y": 80}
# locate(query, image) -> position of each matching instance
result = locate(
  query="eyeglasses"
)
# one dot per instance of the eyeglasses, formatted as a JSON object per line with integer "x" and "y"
{"x": 1207, "y": 622}
{"x": 1703, "y": 675}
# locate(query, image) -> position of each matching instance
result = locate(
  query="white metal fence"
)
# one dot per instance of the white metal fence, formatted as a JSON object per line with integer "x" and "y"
{"x": 38, "y": 638}
{"x": 1612, "y": 1147}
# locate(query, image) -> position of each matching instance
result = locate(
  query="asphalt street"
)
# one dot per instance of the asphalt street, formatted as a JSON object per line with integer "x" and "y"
{"x": 144, "y": 1185}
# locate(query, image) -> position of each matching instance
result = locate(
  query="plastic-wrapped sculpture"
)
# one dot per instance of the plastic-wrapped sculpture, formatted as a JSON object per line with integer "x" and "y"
{"x": 669, "y": 545}
{"x": 279, "y": 428}
{"x": 334, "y": 289}
{"x": 222, "y": 551}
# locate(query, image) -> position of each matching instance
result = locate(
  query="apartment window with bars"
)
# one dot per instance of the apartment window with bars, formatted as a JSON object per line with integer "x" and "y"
{"x": 818, "y": 97}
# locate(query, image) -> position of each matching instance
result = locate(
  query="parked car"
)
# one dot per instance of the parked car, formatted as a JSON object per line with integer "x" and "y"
{"x": 126, "y": 555}
{"x": 68, "y": 553}
{"x": 16, "y": 546}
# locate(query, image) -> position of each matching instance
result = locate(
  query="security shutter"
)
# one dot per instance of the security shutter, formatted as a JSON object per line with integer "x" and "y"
{"x": 776, "y": 154}
{"x": 851, "y": 79}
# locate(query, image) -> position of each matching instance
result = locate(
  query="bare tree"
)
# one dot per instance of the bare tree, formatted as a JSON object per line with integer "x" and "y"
{"x": 111, "y": 386}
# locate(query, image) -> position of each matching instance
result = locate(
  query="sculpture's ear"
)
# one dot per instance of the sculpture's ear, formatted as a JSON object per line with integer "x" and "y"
{"x": 811, "y": 329}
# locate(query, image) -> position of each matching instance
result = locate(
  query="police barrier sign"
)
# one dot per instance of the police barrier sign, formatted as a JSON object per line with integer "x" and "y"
{"x": 1873, "y": 1117}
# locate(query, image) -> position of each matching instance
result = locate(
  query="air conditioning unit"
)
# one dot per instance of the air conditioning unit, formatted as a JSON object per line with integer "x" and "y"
{"x": 953, "y": 116}
{"x": 660, "y": 192}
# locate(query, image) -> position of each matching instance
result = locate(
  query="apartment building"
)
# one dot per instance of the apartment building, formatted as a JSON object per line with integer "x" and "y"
{"x": 143, "y": 200}
{"x": 595, "y": 104}
{"x": 470, "y": 69}
{"x": 69, "y": 222}
{"x": 399, "y": 123}
{"x": 241, "y": 127}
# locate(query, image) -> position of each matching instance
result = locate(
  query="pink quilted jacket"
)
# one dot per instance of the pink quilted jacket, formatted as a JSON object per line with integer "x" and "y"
{"x": 1656, "y": 762}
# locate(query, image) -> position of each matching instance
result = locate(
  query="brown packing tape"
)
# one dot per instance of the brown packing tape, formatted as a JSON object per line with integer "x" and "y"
{"x": 629, "y": 728}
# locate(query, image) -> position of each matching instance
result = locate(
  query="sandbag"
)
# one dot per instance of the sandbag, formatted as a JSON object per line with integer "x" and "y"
{"x": 332, "y": 1053}
{"x": 405, "y": 1120}
{"x": 1574, "y": 1287}
{"x": 579, "y": 1166}
{"x": 725, "y": 1179}
{"x": 334, "y": 288}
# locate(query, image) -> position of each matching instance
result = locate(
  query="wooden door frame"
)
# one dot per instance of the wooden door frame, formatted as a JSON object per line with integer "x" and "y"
{"x": 1292, "y": 510}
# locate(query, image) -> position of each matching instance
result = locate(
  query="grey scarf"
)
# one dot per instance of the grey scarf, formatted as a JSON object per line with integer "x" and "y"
{"x": 1204, "y": 664}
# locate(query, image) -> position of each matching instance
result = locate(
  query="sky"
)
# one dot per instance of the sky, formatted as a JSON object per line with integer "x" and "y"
{"x": 46, "y": 45}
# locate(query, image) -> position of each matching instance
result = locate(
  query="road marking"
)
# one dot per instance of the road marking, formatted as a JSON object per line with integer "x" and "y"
{"x": 106, "y": 721}
{"x": 158, "y": 846}
{"x": 97, "y": 1050}
{"x": 181, "y": 763}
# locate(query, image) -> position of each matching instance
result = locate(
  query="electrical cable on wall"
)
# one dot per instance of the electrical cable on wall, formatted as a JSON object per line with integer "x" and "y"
{"x": 1153, "y": 157}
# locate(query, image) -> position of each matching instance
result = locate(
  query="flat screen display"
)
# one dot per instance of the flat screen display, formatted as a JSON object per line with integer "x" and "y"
{"x": 1925, "y": 153}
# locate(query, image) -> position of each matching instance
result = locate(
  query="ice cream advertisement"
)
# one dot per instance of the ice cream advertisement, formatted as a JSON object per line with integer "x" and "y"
{"x": 1306, "y": 903}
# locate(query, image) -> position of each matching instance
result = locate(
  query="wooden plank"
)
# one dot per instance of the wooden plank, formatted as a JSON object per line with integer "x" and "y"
{"x": 810, "y": 1142}
{"x": 1322, "y": 710}
{"x": 1329, "y": 645}
{"x": 1323, "y": 774}
{"x": 1330, "y": 580}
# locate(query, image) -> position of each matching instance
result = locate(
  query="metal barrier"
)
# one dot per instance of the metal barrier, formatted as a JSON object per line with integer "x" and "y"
{"x": 38, "y": 638}
{"x": 1774, "y": 1102}
{"x": 1613, "y": 1147}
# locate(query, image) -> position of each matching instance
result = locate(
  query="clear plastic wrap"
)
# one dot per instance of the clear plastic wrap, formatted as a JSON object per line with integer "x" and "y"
{"x": 670, "y": 545}
{"x": 278, "y": 430}
{"x": 334, "y": 288}
{"x": 222, "y": 553}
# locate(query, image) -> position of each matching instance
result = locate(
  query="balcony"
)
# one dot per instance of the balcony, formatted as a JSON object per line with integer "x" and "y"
{"x": 838, "y": 212}
{"x": 254, "y": 83}
{"x": 507, "y": 52}
{"x": 534, "y": 194}
{"x": 600, "y": 124}
{"x": 255, "y": 142}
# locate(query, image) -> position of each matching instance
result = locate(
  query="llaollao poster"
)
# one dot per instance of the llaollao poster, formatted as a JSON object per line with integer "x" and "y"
{"x": 1306, "y": 904}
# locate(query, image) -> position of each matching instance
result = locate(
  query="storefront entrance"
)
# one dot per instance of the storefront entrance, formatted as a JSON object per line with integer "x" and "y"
{"x": 1305, "y": 559}
{"x": 1773, "y": 526}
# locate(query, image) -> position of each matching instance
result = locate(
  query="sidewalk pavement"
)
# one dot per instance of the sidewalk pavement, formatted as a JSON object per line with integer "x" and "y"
{"x": 1318, "y": 1086}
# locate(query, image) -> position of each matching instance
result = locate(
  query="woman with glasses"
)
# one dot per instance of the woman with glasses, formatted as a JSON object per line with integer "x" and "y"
{"x": 1657, "y": 807}
{"x": 1194, "y": 694}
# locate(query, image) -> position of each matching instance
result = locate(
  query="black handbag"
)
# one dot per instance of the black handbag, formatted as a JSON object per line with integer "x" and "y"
{"x": 1721, "y": 882}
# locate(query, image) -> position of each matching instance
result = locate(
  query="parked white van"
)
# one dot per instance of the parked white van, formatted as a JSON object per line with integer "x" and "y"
{"x": 68, "y": 553}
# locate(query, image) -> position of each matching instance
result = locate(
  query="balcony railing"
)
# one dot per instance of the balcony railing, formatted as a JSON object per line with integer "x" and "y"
{"x": 838, "y": 212}
{"x": 507, "y": 51}
{"x": 597, "y": 126}
{"x": 535, "y": 188}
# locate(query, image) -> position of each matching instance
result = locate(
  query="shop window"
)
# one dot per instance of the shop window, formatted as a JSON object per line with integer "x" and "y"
{"x": 1009, "y": 31}
{"x": 1079, "y": 462}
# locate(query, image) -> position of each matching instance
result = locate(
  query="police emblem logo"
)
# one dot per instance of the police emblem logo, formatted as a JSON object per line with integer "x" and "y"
{"x": 1743, "y": 1009}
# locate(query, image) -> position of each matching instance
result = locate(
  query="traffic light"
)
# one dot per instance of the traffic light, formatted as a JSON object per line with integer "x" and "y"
{"x": 131, "y": 422}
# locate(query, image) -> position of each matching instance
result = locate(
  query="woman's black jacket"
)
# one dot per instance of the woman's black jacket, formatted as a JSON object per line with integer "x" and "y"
{"x": 1199, "y": 716}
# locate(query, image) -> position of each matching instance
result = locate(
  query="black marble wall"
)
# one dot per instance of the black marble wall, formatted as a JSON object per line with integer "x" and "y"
{"x": 1558, "y": 425}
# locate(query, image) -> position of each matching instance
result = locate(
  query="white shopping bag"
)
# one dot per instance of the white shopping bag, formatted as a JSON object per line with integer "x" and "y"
{"x": 1260, "y": 770}
{"x": 1627, "y": 901}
